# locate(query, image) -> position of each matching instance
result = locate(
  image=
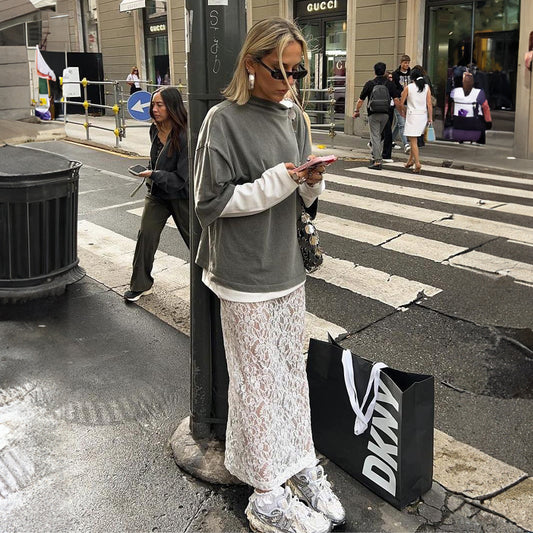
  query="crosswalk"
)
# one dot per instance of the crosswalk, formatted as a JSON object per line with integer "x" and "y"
{"x": 111, "y": 254}
{"x": 439, "y": 220}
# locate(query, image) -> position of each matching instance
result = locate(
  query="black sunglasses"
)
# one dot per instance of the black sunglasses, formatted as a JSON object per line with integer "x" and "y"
{"x": 277, "y": 74}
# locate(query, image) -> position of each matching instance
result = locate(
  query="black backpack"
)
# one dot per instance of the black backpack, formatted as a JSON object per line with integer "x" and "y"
{"x": 379, "y": 100}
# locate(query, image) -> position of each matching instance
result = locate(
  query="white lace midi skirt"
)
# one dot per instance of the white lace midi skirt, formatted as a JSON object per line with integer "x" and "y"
{"x": 268, "y": 435}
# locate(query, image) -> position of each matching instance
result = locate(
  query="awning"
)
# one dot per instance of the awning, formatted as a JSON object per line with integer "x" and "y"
{"x": 130, "y": 5}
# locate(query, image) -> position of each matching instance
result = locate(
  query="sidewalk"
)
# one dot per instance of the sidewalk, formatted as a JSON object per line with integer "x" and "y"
{"x": 91, "y": 389}
{"x": 496, "y": 156}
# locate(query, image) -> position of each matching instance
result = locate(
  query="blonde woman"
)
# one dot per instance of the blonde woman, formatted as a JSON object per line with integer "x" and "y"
{"x": 247, "y": 198}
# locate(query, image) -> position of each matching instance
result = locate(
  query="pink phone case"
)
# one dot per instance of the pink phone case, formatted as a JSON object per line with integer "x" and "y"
{"x": 322, "y": 160}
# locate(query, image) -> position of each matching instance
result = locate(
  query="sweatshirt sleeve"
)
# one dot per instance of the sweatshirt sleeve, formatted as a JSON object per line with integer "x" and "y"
{"x": 274, "y": 185}
{"x": 310, "y": 194}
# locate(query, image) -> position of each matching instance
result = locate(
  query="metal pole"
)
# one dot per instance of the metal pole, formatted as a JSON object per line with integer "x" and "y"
{"x": 214, "y": 35}
{"x": 85, "y": 101}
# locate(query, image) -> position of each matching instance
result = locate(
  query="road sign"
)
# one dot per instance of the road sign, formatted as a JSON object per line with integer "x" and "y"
{"x": 139, "y": 105}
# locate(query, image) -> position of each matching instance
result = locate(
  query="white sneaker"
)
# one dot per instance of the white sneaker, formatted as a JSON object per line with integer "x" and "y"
{"x": 284, "y": 515}
{"x": 312, "y": 487}
{"x": 396, "y": 147}
{"x": 407, "y": 148}
{"x": 387, "y": 160}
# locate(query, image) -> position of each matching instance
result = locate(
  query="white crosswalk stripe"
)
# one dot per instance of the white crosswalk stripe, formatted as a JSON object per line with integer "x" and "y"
{"x": 413, "y": 192}
{"x": 425, "y": 248}
{"x": 107, "y": 256}
{"x": 441, "y": 218}
{"x": 434, "y": 180}
{"x": 465, "y": 174}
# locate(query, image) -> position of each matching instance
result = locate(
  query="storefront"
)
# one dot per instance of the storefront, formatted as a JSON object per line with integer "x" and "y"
{"x": 156, "y": 39}
{"x": 324, "y": 26}
{"x": 482, "y": 36}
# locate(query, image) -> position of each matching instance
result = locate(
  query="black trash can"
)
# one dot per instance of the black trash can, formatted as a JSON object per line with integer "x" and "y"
{"x": 38, "y": 223}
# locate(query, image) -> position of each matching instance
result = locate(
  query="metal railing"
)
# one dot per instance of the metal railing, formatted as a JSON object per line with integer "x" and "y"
{"x": 320, "y": 106}
{"x": 118, "y": 107}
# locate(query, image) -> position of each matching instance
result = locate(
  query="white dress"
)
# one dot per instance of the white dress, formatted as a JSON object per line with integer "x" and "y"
{"x": 417, "y": 114}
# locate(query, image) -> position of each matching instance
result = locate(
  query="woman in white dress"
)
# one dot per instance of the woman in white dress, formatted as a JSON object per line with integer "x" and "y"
{"x": 418, "y": 115}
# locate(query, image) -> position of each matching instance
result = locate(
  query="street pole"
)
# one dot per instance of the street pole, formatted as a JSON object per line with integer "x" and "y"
{"x": 214, "y": 33}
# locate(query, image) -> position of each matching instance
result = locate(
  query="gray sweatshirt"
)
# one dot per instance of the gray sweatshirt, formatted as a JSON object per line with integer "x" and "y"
{"x": 236, "y": 145}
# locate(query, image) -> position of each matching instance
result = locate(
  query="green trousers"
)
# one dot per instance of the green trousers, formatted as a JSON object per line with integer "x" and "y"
{"x": 155, "y": 215}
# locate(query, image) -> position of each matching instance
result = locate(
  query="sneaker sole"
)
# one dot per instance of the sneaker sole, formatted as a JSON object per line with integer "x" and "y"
{"x": 300, "y": 495}
{"x": 135, "y": 298}
{"x": 257, "y": 526}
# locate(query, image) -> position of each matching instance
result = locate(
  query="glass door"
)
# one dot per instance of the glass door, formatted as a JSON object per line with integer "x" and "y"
{"x": 483, "y": 37}
{"x": 326, "y": 40}
{"x": 450, "y": 46}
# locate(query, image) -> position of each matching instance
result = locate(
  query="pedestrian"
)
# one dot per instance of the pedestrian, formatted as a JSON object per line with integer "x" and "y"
{"x": 401, "y": 79}
{"x": 168, "y": 186}
{"x": 381, "y": 93}
{"x": 133, "y": 80}
{"x": 248, "y": 197}
{"x": 386, "y": 135}
{"x": 418, "y": 115}
{"x": 469, "y": 112}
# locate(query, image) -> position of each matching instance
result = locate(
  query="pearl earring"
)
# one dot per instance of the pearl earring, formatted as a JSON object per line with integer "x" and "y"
{"x": 251, "y": 81}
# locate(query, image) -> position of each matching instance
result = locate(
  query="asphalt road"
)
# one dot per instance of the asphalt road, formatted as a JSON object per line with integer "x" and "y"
{"x": 474, "y": 334}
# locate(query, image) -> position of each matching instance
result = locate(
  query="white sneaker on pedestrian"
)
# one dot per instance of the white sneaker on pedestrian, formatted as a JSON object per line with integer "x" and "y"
{"x": 312, "y": 487}
{"x": 387, "y": 160}
{"x": 407, "y": 148}
{"x": 279, "y": 511}
{"x": 396, "y": 146}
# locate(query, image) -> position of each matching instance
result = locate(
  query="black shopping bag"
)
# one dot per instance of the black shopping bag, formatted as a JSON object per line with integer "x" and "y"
{"x": 393, "y": 456}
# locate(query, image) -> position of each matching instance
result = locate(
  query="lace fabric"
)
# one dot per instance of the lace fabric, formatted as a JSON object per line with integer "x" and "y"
{"x": 268, "y": 436}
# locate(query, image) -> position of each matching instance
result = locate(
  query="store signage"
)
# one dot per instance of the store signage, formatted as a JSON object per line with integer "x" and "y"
{"x": 157, "y": 28}
{"x": 309, "y": 7}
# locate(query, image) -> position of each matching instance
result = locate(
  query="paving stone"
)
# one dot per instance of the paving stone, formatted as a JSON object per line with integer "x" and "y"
{"x": 468, "y": 510}
{"x": 454, "y": 502}
{"x": 515, "y": 504}
{"x": 435, "y": 497}
{"x": 430, "y": 513}
{"x": 463, "y": 469}
{"x": 492, "y": 523}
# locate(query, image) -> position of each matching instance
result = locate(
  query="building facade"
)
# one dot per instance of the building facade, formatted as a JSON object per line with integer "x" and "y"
{"x": 346, "y": 38}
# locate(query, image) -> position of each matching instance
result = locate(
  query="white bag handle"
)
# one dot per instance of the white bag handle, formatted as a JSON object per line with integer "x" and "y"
{"x": 361, "y": 419}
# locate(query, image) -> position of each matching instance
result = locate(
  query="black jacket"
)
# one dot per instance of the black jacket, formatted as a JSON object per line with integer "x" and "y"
{"x": 170, "y": 173}
{"x": 378, "y": 80}
{"x": 400, "y": 79}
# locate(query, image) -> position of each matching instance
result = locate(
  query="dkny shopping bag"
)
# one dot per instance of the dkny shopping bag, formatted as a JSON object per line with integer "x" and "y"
{"x": 375, "y": 422}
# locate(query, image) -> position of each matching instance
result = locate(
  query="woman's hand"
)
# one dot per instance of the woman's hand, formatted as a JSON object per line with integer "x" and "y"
{"x": 311, "y": 175}
{"x": 145, "y": 174}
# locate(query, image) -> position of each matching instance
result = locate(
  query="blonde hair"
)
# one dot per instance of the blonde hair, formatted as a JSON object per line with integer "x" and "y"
{"x": 264, "y": 37}
{"x": 133, "y": 69}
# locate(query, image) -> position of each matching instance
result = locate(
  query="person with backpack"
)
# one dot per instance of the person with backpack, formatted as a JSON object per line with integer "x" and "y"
{"x": 380, "y": 93}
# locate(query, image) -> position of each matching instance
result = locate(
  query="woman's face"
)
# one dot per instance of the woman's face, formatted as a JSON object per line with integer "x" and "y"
{"x": 159, "y": 109}
{"x": 468, "y": 81}
{"x": 268, "y": 88}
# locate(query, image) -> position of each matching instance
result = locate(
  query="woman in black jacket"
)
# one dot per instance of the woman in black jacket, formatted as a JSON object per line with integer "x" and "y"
{"x": 168, "y": 186}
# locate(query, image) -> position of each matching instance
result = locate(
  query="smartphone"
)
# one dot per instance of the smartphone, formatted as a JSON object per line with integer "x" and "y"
{"x": 317, "y": 161}
{"x": 136, "y": 169}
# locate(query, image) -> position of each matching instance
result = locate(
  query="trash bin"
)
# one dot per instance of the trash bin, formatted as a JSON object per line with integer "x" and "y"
{"x": 38, "y": 223}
